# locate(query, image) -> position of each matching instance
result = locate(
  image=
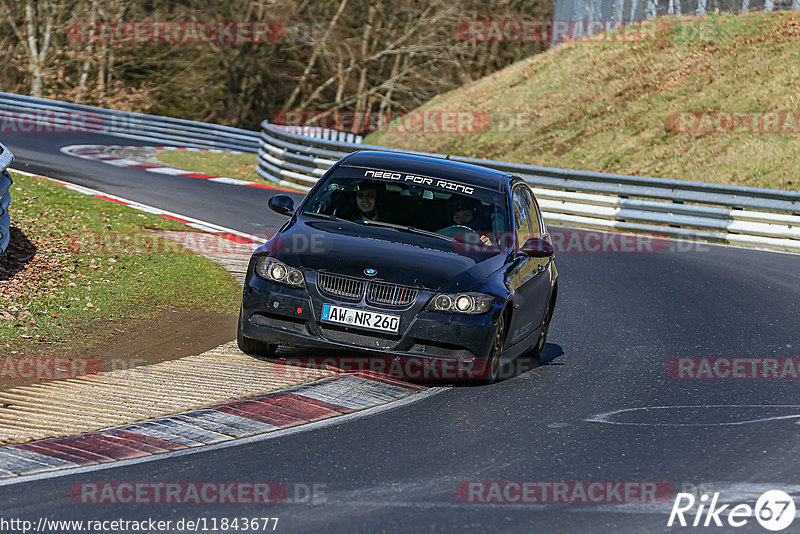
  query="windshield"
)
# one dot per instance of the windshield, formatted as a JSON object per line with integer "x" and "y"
{"x": 471, "y": 215}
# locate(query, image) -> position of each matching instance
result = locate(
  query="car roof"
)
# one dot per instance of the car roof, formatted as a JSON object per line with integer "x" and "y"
{"x": 428, "y": 166}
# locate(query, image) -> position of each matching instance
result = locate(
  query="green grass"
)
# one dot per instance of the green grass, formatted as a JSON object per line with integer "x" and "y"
{"x": 239, "y": 166}
{"x": 98, "y": 260}
{"x": 612, "y": 106}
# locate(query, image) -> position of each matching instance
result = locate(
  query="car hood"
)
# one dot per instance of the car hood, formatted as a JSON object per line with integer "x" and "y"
{"x": 398, "y": 257}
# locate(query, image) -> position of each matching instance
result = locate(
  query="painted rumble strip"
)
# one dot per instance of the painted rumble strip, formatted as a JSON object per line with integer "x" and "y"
{"x": 86, "y": 403}
{"x": 105, "y": 154}
{"x": 330, "y": 397}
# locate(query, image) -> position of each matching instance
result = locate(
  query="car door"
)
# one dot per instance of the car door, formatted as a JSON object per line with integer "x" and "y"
{"x": 527, "y": 278}
{"x": 542, "y": 281}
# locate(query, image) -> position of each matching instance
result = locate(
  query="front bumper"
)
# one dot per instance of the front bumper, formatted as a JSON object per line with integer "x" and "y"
{"x": 428, "y": 344}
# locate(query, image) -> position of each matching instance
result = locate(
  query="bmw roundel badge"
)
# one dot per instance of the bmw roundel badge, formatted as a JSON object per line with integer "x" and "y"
{"x": 370, "y": 272}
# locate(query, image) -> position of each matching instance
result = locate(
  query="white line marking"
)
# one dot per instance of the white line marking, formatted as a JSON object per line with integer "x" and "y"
{"x": 122, "y": 162}
{"x": 165, "y": 170}
{"x": 96, "y": 153}
{"x": 144, "y": 207}
{"x": 606, "y": 416}
{"x": 231, "y": 181}
{"x": 411, "y": 399}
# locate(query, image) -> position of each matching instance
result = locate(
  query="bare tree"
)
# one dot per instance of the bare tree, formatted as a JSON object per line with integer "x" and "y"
{"x": 379, "y": 56}
{"x": 318, "y": 47}
{"x": 339, "y": 55}
{"x": 37, "y": 26}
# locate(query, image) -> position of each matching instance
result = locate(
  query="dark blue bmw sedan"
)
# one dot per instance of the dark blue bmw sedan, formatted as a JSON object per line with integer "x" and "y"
{"x": 442, "y": 268}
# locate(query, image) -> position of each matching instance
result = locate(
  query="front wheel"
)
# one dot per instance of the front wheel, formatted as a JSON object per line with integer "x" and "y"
{"x": 253, "y": 346}
{"x": 497, "y": 350}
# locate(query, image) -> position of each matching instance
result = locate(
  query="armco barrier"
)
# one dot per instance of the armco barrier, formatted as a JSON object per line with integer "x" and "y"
{"x": 747, "y": 216}
{"x": 298, "y": 156}
{"x": 21, "y": 113}
{"x": 6, "y": 157}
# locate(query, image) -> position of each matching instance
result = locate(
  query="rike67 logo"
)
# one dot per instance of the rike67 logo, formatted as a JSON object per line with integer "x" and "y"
{"x": 774, "y": 510}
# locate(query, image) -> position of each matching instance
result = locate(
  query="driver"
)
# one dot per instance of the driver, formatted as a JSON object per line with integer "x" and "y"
{"x": 464, "y": 212}
{"x": 369, "y": 197}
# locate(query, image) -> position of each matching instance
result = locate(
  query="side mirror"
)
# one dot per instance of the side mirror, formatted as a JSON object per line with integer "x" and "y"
{"x": 282, "y": 204}
{"x": 536, "y": 247}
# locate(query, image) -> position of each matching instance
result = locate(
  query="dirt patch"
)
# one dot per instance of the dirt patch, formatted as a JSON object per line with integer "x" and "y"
{"x": 116, "y": 344}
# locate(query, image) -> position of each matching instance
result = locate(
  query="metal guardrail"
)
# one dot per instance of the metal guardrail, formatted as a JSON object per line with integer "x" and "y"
{"x": 6, "y": 157}
{"x": 321, "y": 133}
{"x": 25, "y": 112}
{"x": 764, "y": 218}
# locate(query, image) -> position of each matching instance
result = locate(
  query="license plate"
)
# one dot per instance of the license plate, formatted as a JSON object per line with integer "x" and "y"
{"x": 360, "y": 318}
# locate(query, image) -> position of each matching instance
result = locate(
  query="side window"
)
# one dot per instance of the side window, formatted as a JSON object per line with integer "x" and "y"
{"x": 535, "y": 217}
{"x": 522, "y": 224}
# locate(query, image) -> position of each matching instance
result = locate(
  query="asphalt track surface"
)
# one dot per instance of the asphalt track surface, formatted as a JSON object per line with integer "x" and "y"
{"x": 620, "y": 318}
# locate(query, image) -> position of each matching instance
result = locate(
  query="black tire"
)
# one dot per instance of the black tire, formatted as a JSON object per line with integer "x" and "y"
{"x": 538, "y": 350}
{"x": 256, "y": 348}
{"x": 497, "y": 350}
{"x": 252, "y": 346}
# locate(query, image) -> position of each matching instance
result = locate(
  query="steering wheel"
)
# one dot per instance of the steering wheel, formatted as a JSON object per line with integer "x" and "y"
{"x": 455, "y": 229}
{"x": 319, "y": 207}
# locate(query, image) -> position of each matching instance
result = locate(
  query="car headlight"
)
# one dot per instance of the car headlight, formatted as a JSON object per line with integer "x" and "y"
{"x": 473, "y": 303}
{"x": 272, "y": 269}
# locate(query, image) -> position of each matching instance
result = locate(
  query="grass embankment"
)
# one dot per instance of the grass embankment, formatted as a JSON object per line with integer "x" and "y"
{"x": 625, "y": 107}
{"x": 239, "y": 166}
{"x": 76, "y": 261}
